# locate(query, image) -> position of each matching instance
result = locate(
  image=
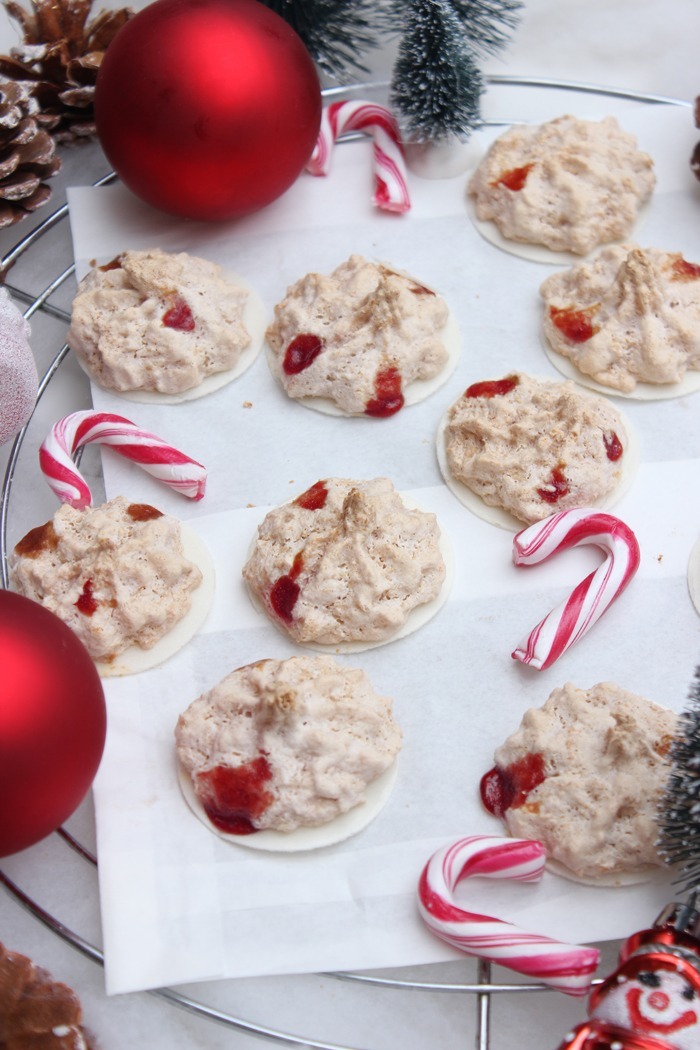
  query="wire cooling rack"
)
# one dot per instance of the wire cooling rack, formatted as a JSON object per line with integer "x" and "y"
{"x": 480, "y": 985}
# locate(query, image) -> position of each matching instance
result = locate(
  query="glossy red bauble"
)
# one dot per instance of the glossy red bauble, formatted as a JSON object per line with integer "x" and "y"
{"x": 52, "y": 722}
{"x": 208, "y": 109}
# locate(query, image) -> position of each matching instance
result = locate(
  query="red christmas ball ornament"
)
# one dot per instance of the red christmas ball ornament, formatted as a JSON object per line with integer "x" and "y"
{"x": 52, "y": 722}
{"x": 207, "y": 109}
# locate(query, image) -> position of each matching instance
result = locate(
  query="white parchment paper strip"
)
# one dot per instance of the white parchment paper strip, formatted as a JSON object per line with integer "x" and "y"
{"x": 177, "y": 903}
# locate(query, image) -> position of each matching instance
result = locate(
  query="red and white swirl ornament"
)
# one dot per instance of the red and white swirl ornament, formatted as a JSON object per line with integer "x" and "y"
{"x": 566, "y": 967}
{"x": 575, "y": 616}
{"x": 391, "y": 181}
{"x": 158, "y": 458}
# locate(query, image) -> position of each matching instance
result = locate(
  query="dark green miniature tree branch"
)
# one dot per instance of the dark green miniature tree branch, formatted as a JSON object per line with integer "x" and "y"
{"x": 488, "y": 23}
{"x": 436, "y": 85}
{"x": 336, "y": 32}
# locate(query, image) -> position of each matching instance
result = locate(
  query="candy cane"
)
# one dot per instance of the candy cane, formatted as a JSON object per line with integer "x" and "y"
{"x": 566, "y": 967}
{"x": 164, "y": 462}
{"x": 562, "y": 627}
{"x": 391, "y": 182}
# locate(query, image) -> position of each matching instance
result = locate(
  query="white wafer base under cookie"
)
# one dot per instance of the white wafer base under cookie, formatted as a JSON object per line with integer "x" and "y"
{"x": 689, "y": 384}
{"x": 620, "y": 879}
{"x": 503, "y": 518}
{"x": 337, "y": 830}
{"x": 414, "y": 392}
{"x": 539, "y": 253}
{"x": 694, "y": 576}
{"x": 255, "y": 321}
{"x": 134, "y": 659}
{"x": 417, "y": 618}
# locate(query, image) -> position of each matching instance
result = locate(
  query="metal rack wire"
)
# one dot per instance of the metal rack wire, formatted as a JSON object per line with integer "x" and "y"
{"x": 483, "y": 988}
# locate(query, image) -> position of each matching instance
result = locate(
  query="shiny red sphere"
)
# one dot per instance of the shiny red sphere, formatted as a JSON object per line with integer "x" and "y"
{"x": 207, "y": 109}
{"x": 52, "y": 722}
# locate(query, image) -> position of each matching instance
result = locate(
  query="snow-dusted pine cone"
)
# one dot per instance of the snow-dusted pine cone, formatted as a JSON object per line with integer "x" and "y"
{"x": 35, "y": 1010}
{"x": 59, "y": 58}
{"x": 27, "y": 154}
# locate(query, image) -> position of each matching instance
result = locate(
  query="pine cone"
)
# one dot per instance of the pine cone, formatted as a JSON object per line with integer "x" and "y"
{"x": 36, "y": 1011}
{"x": 27, "y": 154}
{"x": 59, "y": 59}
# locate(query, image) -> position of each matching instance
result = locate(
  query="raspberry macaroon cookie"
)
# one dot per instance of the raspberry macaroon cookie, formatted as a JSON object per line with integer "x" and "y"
{"x": 626, "y": 322}
{"x": 568, "y": 185}
{"x": 130, "y": 581}
{"x": 158, "y": 326}
{"x": 288, "y": 754}
{"x": 365, "y": 339}
{"x": 348, "y": 564}
{"x": 518, "y": 448}
{"x": 584, "y": 774}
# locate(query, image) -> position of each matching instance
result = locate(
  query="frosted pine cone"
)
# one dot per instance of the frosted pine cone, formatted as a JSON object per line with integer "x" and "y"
{"x": 36, "y": 1011}
{"x": 59, "y": 59}
{"x": 27, "y": 154}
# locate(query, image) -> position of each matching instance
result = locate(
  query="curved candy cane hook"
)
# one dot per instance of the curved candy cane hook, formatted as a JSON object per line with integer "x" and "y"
{"x": 566, "y": 967}
{"x": 562, "y": 627}
{"x": 164, "y": 462}
{"x": 391, "y": 181}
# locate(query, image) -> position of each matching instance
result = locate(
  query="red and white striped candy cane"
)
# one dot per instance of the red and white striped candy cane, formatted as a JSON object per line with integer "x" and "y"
{"x": 391, "y": 181}
{"x": 164, "y": 462}
{"x": 566, "y": 967}
{"x": 562, "y": 627}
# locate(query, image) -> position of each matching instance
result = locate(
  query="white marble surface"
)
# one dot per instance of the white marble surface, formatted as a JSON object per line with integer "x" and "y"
{"x": 641, "y": 45}
{"x": 645, "y": 45}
